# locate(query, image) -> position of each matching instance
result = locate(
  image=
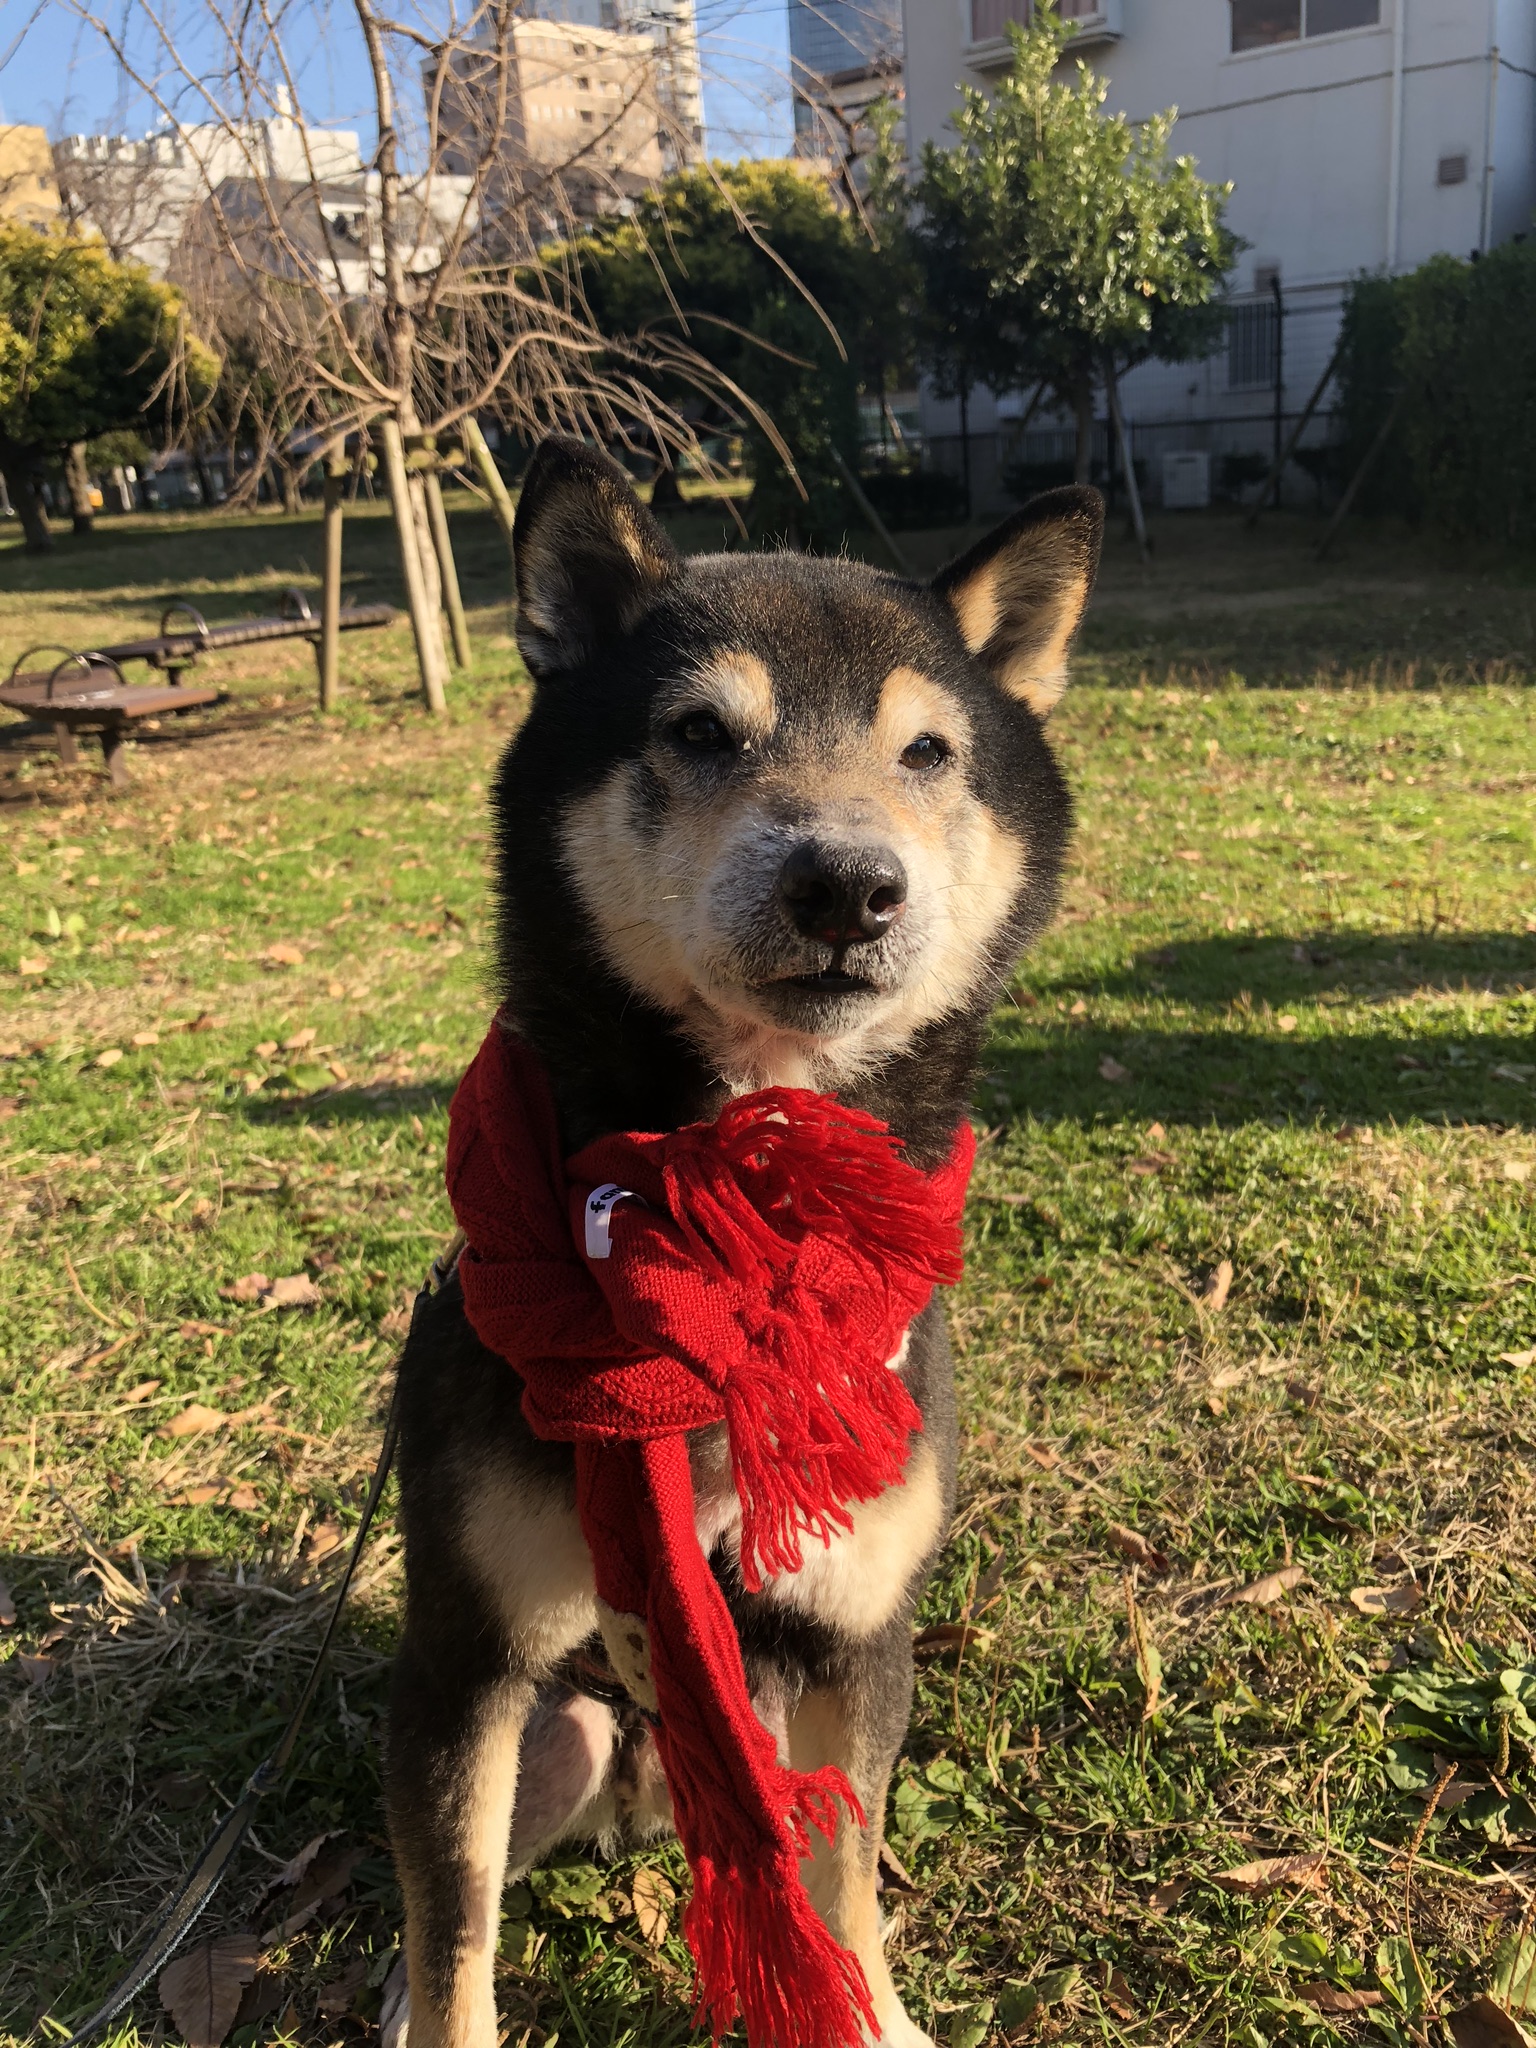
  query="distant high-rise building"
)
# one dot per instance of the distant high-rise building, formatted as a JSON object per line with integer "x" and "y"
{"x": 843, "y": 56}
{"x": 673, "y": 37}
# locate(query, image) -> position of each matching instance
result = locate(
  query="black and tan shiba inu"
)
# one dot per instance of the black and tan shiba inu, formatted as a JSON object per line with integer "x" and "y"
{"x": 771, "y": 820}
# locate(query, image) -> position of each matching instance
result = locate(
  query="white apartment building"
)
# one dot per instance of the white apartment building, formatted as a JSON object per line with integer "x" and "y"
{"x": 1358, "y": 135}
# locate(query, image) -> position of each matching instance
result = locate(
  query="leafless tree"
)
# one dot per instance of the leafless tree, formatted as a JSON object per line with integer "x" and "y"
{"x": 396, "y": 291}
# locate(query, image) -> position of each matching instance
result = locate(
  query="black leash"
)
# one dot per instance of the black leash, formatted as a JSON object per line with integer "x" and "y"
{"x": 176, "y": 1919}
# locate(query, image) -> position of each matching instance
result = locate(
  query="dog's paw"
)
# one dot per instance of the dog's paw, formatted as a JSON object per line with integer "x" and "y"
{"x": 395, "y": 2012}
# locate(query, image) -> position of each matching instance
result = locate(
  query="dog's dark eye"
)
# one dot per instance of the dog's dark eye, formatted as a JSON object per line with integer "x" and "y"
{"x": 926, "y": 751}
{"x": 703, "y": 733}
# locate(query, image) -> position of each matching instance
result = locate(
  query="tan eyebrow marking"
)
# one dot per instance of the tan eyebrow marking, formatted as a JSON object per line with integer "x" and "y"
{"x": 912, "y": 703}
{"x": 735, "y": 684}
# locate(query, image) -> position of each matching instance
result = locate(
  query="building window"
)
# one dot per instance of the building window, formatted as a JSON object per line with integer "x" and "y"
{"x": 990, "y": 18}
{"x": 1451, "y": 170}
{"x": 1251, "y": 337}
{"x": 1257, "y": 23}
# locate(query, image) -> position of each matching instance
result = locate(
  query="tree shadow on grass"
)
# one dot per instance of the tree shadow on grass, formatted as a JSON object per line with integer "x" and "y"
{"x": 1302, "y": 965}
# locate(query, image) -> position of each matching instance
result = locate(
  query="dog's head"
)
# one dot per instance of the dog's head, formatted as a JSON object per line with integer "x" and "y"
{"x": 800, "y": 808}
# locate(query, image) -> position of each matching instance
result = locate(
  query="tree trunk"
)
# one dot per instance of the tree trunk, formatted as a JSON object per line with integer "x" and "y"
{"x": 21, "y": 483}
{"x": 78, "y": 479}
{"x": 1082, "y": 405}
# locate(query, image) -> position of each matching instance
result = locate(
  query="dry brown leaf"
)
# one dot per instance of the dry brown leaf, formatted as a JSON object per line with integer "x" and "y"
{"x": 284, "y": 954}
{"x": 1485, "y": 2024}
{"x": 1132, "y": 1544}
{"x": 1119, "y": 1997}
{"x": 1329, "y": 1998}
{"x": 1110, "y": 1069}
{"x": 245, "y": 1498}
{"x": 300, "y": 1039}
{"x": 198, "y": 1496}
{"x": 950, "y": 1635}
{"x": 325, "y": 1537}
{"x": 1168, "y": 1894}
{"x": 1043, "y": 1456}
{"x": 1299, "y": 1391}
{"x": 1229, "y": 1376}
{"x": 7, "y": 1606}
{"x": 1272, "y": 1873}
{"x": 327, "y": 1877}
{"x": 201, "y": 1990}
{"x": 36, "y": 1670}
{"x": 300, "y": 1861}
{"x": 297, "y": 1290}
{"x": 1518, "y": 1359}
{"x": 265, "y": 1050}
{"x": 195, "y": 1329}
{"x": 146, "y": 1038}
{"x": 250, "y": 1287}
{"x": 1405, "y": 1599}
{"x": 1218, "y": 1287}
{"x": 894, "y": 1874}
{"x": 194, "y": 1420}
{"x": 1286, "y": 1023}
{"x": 654, "y": 1899}
{"x": 1152, "y": 1162}
{"x": 110, "y": 1057}
{"x": 337, "y": 1996}
{"x": 1266, "y": 1591}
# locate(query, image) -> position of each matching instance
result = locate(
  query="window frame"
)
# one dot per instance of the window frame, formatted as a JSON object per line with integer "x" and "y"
{"x": 1304, "y": 34}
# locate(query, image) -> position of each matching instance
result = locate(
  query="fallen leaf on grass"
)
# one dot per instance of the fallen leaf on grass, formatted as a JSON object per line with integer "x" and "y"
{"x": 1517, "y": 1170}
{"x": 300, "y": 1039}
{"x": 225, "y": 1493}
{"x": 202, "y": 1989}
{"x": 1286, "y": 1023}
{"x": 326, "y": 1878}
{"x": 300, "y": 1861}
{"x": 1329, "y": 1998}
{"x": 146, "y": 1038}
{"x": 1118, "y": 1996}
{"x": 297, "y": 1290}
{"x": 949, "y": 1635}
{"x": 893, "y": 1873}
{"x": 1266, "y": 1591}
{"x": 194, "y": 1420}
{"x": 284, "y": 954}
{"x": 1405, "y": 1599}
{"x": 1168, "y": 1894}
{"x": 1272, "y": 1874}
{"x": 1218, "y": 1287}
{"x": 337, "y": 1996}
{"x": 1132, "y": 1544}
{"x": 196, "y": 1329}
{"x": 141, "y": 1392}
{"x": 1042, "y": 1455}
{"x": 1229, "y": 1376}
{"x": 110, "y": 1057}
{"x": 654, "y": 1899}
{"x": 1152, "y": 1162}
{"x": 1110, "y": 1069}
{"x": 1518, "y": 1359}
{"x": 1302, "y": 1394}
{"x": 7, "y": 1606}
{"x": 325, "y": 1537}
{"x": 1484, "y": 2024}
{"x": 36, "y": 1670}
{"x": 1451, "y": 1795}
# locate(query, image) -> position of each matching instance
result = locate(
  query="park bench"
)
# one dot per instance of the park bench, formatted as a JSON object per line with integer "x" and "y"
{"x": 174, "y": 652}
{"x": 90, "y": 693}
{"x": 87, "y": 690}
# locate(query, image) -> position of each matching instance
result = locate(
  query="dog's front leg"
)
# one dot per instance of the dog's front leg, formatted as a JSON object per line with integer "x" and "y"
{"x": 456, "y": 1729}
{"x": 858, "y": 1722}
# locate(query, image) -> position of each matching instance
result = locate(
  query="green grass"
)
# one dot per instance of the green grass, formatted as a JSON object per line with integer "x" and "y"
{"x": 1310, "y": 1052}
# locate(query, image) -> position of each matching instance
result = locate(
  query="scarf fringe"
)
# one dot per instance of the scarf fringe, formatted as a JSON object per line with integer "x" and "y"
{"x": 811, "y": 1429}
{"x": 762, "y": 1952}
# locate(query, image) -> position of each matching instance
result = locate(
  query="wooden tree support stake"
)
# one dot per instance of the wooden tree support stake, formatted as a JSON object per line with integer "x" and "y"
{"x": 501, "y": 501}
{"x": 1128, "y": 464}
{"x": 424, "y": 624}
{"x": 860, "y": 497}
{"x": 336, "y": 473}
{"x": 442, "y": 546}
{"x": 1368, "y": 462}
{"x": 1277, "y": 470}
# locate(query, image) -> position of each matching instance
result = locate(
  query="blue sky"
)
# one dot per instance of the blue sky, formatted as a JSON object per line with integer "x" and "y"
{"x": 58, "y": 73}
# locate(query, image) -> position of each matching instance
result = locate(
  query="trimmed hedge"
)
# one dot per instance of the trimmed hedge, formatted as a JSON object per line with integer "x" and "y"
{"x": 1459, "y": 339}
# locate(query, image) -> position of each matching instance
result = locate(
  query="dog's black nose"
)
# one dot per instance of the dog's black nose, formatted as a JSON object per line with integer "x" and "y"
{"x": 843, "y": 895}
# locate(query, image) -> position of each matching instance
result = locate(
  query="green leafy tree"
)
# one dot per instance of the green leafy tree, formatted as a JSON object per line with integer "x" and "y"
{"x": 86, "y": 346}
{"x": 754, "y": 268}
{"x": 1063, "y": 245}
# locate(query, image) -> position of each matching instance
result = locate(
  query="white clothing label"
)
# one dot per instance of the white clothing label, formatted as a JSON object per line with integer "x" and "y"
{"x": 600, "y": 1207}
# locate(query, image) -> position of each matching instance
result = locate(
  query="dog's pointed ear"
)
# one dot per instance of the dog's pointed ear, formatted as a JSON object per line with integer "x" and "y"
{"x": 1018, "y": 595}
{"x": 590, "y": 558}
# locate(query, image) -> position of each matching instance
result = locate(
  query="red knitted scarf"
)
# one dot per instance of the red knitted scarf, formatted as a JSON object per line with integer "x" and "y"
{"x": 759, "y": 1271}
